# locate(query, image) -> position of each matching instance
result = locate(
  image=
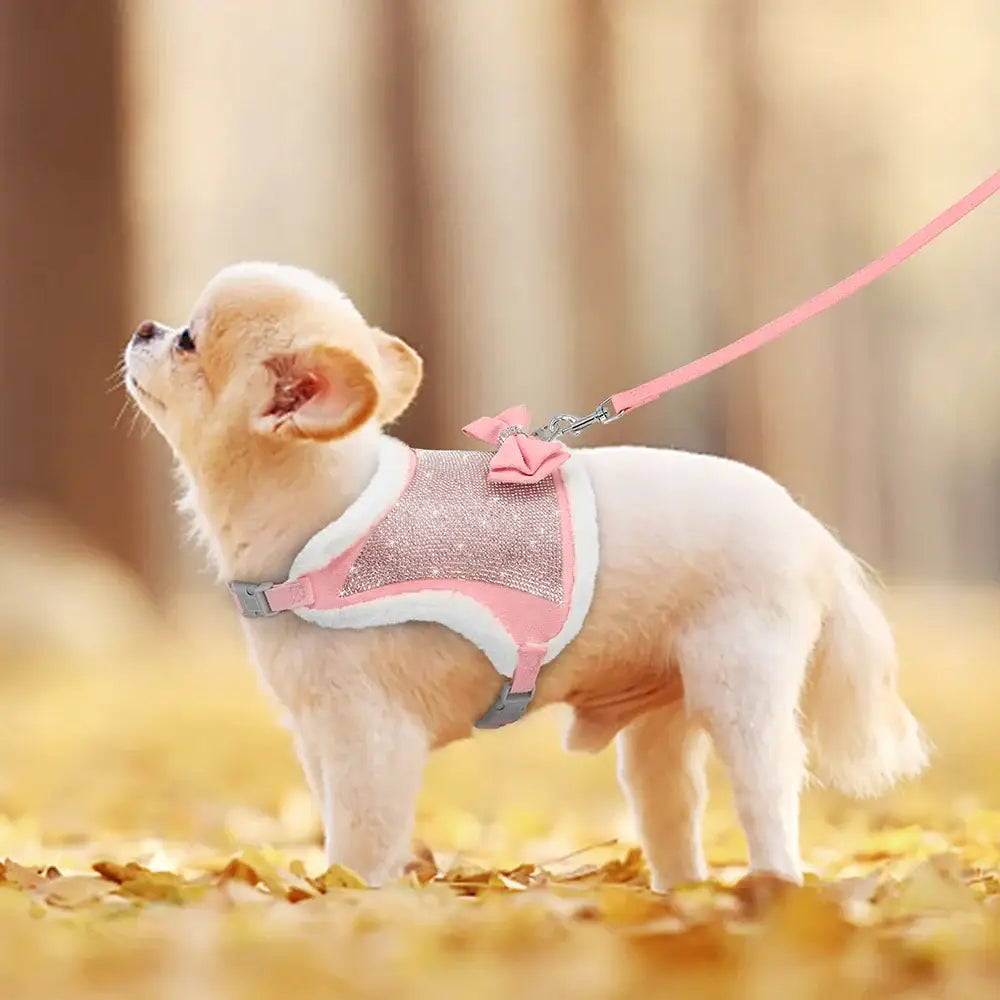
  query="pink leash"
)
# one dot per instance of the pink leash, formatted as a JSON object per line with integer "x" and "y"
{"x": 629, "y": 399}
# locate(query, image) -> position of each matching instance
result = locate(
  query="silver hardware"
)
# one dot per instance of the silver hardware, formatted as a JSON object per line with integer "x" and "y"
{"x": 567, "y": 423}
{"x": 508, "y": 431}
{"x": 252, "y": 598}
{"x": 508, "y": 707}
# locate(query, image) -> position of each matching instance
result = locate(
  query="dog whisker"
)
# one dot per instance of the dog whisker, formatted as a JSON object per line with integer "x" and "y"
{"x": 118, "y": 418}
{"x": 132, "y": 423}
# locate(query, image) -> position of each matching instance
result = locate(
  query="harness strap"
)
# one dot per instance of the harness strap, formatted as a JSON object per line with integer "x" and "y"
{"x": 261, "y": 600}
{"x": 516, "y": 694}
{"x": 297, "y": 593}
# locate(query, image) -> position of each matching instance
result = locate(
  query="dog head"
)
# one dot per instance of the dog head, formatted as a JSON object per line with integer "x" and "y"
{"x": 272, "y": 354}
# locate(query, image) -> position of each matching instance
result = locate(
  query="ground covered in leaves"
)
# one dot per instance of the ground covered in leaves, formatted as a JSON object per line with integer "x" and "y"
{"x": 159, "y": 842}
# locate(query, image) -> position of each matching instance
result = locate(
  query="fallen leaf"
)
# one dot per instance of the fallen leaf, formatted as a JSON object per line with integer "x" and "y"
{"x": 73, "y": 891}
{"x": 21, "y": 877}
{"x": 338, "y": 877}
{"x": 238, "y": 870}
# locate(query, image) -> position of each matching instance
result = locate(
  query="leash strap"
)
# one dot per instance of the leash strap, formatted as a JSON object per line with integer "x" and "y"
{"x": 622, "y": 402}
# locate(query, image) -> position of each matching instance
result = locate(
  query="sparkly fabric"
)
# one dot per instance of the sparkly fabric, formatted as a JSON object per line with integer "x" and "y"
{"x": 453, "y": 524}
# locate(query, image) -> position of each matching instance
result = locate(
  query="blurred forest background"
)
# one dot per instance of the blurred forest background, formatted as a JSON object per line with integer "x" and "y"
{"x": 607, "y": 188}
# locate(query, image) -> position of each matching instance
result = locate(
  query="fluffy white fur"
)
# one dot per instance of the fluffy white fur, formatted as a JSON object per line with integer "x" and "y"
{"x": 460, "y": 613}
{"x": 722, "y": 610}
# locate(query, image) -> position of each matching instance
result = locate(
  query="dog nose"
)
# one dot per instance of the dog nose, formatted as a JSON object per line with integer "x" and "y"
{"x": 147, "y": 330}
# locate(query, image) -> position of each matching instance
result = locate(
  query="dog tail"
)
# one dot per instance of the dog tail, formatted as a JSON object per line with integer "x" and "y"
{"x": 864, "y": 738}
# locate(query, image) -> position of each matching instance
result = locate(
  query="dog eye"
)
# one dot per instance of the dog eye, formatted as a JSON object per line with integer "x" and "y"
{"x": 184, "y": 341}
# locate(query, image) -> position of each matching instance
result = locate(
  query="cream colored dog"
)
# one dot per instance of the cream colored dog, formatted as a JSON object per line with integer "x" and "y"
{"x": 722, "y": 609}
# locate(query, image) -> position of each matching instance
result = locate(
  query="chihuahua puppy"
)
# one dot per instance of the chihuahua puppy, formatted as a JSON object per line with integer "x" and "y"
{"x": 722, "y": 610}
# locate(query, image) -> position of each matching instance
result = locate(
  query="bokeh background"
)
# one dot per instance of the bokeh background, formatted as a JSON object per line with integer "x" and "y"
{"x": 552, "y": 200}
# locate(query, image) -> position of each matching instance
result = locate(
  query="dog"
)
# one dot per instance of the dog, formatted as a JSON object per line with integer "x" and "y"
{"x": 722, "y": 611}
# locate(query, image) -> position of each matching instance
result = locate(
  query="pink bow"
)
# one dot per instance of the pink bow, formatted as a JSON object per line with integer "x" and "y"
{"x": 520, "y": 458}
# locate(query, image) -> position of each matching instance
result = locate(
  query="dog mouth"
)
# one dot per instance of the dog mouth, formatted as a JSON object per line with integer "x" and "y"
{"x": 137, "y": 389}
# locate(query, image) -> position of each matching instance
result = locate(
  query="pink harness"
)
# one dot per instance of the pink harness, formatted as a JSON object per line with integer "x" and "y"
{"x": 441, "y": 536}
{"x": 503, "y": 549}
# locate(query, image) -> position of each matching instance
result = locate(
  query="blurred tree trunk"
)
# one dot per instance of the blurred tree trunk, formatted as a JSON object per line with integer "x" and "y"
{"x": 597, "y": 236}
{"x": 740, "y": 244}
{"x": 415, "y": 310}
{"x": 63, "y": 267}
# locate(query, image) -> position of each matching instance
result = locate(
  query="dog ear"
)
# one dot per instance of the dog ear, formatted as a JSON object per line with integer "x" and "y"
{"x": 402, "y": 370}
{"x": 318, "y": 393}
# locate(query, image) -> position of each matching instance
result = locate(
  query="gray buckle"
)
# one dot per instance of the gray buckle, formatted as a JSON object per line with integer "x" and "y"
{"x": 507, "y": 708}
{"x": 252, "y": 598}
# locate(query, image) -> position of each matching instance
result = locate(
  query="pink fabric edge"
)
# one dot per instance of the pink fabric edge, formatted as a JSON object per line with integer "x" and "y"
{"x": 529, "y": 663}
{"x": 511, "y": 608}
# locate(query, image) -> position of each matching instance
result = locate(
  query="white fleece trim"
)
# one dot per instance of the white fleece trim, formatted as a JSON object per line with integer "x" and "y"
{"x": 382, "y": 491}
{"x": 460, "y": 613}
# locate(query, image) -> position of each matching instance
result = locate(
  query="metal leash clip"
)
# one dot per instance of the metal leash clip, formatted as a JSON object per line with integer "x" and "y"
{"x": 567, "y": 423}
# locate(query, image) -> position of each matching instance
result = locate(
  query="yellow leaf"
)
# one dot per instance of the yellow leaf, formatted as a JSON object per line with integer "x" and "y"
{"x": 805, "y": 920}
{"x": 114, "y": 872}
{"x": 339, "y": 877}
{"x": 498, "y": 880}
{"x": 265, "y": 871}
{"x": 238, "y": 870}
{"x": 628, "y": 870}
{"x": 421, "y": 871}
{"x": 72, "y": 891}
{"x": 853, "y": 890}
{"x": 21, "y": 877}
{"x": 622, "y": 904}
{"x": 928, "y": 888}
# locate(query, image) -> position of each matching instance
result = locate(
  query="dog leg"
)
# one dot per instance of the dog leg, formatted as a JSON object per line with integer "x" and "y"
{"x": 372, "y": 764}
{"x": 661, "y": 768}
{"x": 310, "y": 760}
{"x": 743, "y": 679}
